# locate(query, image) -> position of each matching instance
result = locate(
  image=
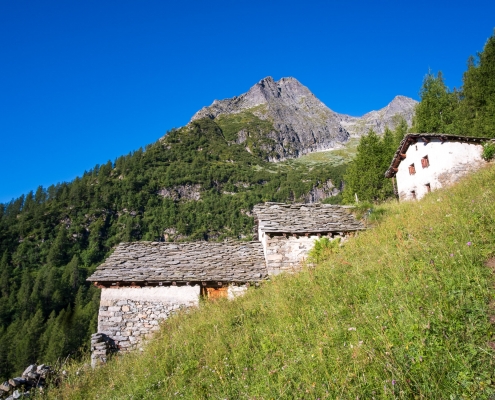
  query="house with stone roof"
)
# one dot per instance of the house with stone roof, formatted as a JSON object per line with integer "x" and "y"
{"x": 288, "y": 231}
{"x": 425, "y": 162}
{"x": 143, "y": 283}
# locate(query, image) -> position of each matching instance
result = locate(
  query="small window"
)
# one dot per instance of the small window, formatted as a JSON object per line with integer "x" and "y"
{"x": 425, "y": 163}
{"x": 413, "y": 194}
{"x": 428, "y": 188}
{"x": 412, "y": 170}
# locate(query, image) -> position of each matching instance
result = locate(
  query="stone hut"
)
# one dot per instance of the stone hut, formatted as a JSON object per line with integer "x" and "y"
{"x": 144, "y": 282}
{"x": 288, "y": 231}
{"x": 425, "y": 162}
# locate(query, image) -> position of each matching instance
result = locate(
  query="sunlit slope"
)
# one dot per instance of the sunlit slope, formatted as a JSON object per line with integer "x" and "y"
{"x": 402, "y": 311}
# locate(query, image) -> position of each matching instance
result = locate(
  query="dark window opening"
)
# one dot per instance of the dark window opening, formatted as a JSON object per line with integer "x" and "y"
{"x": 413, "y": 194}
{"x": 425, "y": 163}
{"x": 412, "y": 170}
{"x": 428, "y": 188}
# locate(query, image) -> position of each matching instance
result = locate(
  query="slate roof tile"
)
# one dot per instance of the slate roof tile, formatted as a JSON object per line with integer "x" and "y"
{"x": 182, "y": 262}
{"x": 305, "y": 218}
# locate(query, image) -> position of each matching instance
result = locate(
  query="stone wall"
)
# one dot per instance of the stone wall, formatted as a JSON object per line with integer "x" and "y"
{"x": 128, "y": 315}
{"x": 286, "y": 253}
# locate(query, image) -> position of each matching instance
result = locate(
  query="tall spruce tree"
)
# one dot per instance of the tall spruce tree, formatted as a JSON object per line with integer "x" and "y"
{"x": 476, "y": 114}
{"x": 437, "y": 110}
{"x": 365, "y": 176}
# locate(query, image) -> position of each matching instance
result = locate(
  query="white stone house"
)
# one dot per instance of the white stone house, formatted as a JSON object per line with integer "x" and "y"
{"x": 425, "y": 162}
{"x": 288, "y": 231}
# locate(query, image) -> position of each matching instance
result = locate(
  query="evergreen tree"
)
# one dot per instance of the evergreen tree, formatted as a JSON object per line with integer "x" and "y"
{"x": 437, "y": 110}
{"x": 477, "y": 111}
{"x": 365, "y": 176}
{"x": 26, "y": 345}
{"x": 58, "y": 250}
{"x": 5, "y": 274}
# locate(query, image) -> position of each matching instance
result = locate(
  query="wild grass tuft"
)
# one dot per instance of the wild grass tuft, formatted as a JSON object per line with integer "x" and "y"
{"x": 401, "y": 311}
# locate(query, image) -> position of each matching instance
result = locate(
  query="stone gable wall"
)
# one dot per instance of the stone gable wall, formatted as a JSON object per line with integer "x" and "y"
{"x": 129, "y": 315}
{"x": 285, "y": 254}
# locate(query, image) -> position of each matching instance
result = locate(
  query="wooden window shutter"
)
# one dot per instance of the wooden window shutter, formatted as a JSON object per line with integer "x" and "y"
{"x": 217, "y": 293}
{"x": 412, "y": 170}
{"x": 425, "y": 163}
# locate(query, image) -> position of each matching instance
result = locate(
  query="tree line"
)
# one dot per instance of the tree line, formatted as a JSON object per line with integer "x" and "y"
{"x": 52, "y": 239}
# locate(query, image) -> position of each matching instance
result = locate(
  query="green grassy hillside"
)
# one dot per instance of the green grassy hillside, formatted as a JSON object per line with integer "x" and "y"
{"x": 402, "y": 311}
{"x": 194, "y": 184}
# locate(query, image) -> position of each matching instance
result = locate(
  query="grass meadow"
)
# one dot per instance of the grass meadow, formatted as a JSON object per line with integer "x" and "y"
{"x": 401, "y": 311}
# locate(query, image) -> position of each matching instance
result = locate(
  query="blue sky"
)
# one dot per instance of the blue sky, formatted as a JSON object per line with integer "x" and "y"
{"x": 83, "y": 82}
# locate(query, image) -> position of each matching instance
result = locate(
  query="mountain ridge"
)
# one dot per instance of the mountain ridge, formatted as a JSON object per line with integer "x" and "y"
{"x": 301, "y": 122}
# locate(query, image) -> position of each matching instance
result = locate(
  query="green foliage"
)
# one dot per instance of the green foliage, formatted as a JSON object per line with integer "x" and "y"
{"x": 52, "y": 240}
{"x": 365, "y": 175}
{"x": 477, "y": 110}
{"x": 438, "y": 107}
{"x": 322, "y": 249}
{"x": 252, "y": 129}
{"x": 488, "y": 151}
{"x": 469, "y": 111}
{"x": 401, "y": 311}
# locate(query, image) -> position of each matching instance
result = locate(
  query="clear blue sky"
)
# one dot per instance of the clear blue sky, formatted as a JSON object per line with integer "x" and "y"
{"x": 82, "y": 82}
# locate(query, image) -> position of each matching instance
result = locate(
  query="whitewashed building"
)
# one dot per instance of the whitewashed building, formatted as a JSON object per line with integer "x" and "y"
{"x": 425, "y": 162}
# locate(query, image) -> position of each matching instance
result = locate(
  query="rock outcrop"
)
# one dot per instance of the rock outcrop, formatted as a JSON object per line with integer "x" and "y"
{"x": 33, "y": 377}
{"x": 302, "y": 123}
{"x": 400, "y": 106}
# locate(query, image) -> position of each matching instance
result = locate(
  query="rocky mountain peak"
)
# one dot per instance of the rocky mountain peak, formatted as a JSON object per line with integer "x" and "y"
{"x": 301, "y": 122}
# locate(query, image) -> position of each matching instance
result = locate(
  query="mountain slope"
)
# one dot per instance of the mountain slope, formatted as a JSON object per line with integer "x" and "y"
{"x": 301, "y": 123}
{"x": 192, "y": 185}
{"x": 296, "y": 121}
{"x": 401, "y": 311}
{"x": 400, "y": 106}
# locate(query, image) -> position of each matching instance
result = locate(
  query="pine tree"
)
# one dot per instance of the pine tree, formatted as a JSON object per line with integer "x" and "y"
{"x": 57, "y": 255}
{"x": 477, "y": 111}
{"x": 437, "y": 110}
{"x": 365, "y": 176}
{"x": 5, "y": 274}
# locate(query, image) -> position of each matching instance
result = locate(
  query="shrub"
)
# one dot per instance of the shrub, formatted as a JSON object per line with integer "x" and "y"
{"x": 322, "y": 248}
{"x": 488, "y": 151}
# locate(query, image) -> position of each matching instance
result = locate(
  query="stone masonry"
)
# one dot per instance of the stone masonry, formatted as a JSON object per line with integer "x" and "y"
{"x": 129, "y": 315}
{"x": 144, "y": 283}
{"x": 288, "y": 231}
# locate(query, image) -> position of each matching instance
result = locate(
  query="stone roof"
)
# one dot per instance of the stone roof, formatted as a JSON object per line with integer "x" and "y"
{"x": 413, "y": 138}
{"x": 183, "y": 262}
{"x": 305, "y": 218}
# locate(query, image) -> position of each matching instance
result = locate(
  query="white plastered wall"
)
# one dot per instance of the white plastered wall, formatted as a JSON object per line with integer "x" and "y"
{"x": 448, "y": 161}
{"x": 182, "y": 295}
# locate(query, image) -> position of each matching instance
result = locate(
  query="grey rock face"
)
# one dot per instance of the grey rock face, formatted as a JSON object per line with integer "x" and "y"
{"x": 319, "y": 193}
{"x": 182, "y": 192}
{"x": 302, "y": 123}
{"x": 400, "y": 106}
